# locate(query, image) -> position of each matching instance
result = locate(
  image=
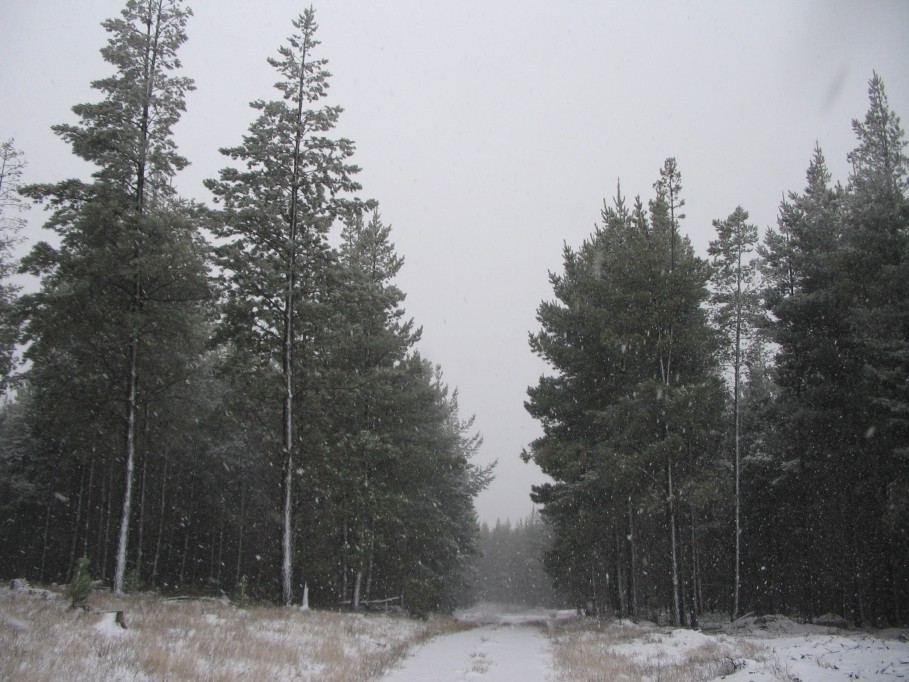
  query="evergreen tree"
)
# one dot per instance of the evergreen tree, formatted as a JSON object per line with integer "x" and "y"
{"x": 120, "y": 293}
{"x": 371, "y": 340}
{"x": 874, "y": 266}
{"x": 277, "y": 210}
{"x": 735, "y": 301}
{"x": 814, "y": 370}
{"x": 635, "y": 393}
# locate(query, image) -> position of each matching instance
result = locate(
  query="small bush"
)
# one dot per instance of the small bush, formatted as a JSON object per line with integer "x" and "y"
{"x": 81, "y": 586}
{"x": 241, "y": 597}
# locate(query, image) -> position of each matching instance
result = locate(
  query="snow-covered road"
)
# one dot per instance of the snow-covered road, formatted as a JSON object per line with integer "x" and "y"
{"x": 490, "y": 653}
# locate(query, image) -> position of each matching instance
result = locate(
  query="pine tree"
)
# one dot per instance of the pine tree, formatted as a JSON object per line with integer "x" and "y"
{"x": 122, "y": 289}
{"x": 371, "y": 340}
{"x": 807, "y": 324}
{"x": 735, "y": 301}
{"x": 277, "y": 210}
{"x": 874, "y": 261}
{"x": 635, "y": 392}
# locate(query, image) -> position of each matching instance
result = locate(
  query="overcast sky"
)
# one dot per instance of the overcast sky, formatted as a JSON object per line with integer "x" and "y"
{"x": 491, "y": 131}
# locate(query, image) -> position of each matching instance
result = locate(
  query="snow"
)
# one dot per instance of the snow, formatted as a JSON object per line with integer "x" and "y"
{"x": 827, "y": 658}
{"x": 193, "y": 640}
{"x": 492, "y": 653}
{"x": 108, "y": 625}
{"x": 503, "y": 644}
{"x": 663, "y": 649}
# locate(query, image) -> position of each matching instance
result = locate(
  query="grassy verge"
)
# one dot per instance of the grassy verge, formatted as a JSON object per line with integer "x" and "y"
{"x": 592, "y": 651}
{"x": 43, "y": 640}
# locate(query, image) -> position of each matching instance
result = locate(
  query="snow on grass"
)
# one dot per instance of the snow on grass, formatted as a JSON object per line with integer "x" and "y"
{"x": 765, "y": 649}
{"x": 591, "y": 651}
{"x": 826, "y": 658}
{"x": 42, "y": 640}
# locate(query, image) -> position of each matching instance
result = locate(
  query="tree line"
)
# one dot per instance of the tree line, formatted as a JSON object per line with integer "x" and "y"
{"x": 730, "y": 433}
{"x": 509, "y": 567}
{"x": 216, "y": 398}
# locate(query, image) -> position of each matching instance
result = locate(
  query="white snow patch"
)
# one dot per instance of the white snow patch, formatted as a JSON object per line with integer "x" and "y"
{"x": 827, "y": 658}
{"x": 663, "y": 648}
{"x": 108, "y": 625}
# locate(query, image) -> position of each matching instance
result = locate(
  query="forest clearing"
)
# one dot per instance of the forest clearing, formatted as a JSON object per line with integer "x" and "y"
{"x": 214, "y": 639}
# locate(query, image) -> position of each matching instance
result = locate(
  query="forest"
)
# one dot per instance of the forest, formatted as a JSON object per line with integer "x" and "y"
{"x": 729, "y": 434}
{"x": 217, "y": 400}
{"x": 229, "y": 398}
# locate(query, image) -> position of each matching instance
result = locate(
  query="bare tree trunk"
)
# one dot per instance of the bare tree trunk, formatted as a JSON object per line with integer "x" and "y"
{"x": 108, "y": 512}
{"x": 154, "y": 573}
{"x": 88, "y": 506}
{"x": 695, "y": 570}
{"x": 356, "y": 593}
{"x": 120, "y": 569}
{"x": 140, "y": 541}
{"x": 372, "y": 545}
{"x": 619, "y": 578}
{"x": 676, "y": 620}
{"x": 76, "y": 525}
{"x": 632, "y": 570}
{"x": 240, "y": 540}
{"x": 344, "y": 565}
{"x": 220, "y": 544}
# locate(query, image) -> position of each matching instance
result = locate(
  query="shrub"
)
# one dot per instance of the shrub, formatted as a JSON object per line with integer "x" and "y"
{"x": 81, "y": 586}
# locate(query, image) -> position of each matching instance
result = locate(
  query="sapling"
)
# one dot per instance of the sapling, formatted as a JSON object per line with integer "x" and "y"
{"x": 81, "y": 586}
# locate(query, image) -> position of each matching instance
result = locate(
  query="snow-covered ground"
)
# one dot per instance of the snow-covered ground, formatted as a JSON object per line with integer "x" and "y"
{"x": 41, "y": 639}
{"x": 491, "y": 653}
{"x": 550, "y": 646}
{"x": 809, "y": 653}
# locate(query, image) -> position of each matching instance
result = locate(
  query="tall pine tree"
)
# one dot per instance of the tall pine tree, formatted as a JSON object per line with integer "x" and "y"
{"x": 278, "y": 206}
{"x": 735, "y": 300}
{"x": 116, "y": 294}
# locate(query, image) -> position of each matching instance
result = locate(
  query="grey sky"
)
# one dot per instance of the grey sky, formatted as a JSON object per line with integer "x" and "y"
{"x": 490, "y": 132}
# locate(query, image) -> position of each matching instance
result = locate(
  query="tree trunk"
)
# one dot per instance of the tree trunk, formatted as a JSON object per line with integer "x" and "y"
{"x": 632, "y": 570}
{"x": 356, "y": 593}
{"x": 108, "y": 512}
{"x": 220, "y": 544}
{"x": 619, "y": 579}
{"x": 76, "y": 524}
{"x": 141, "y": 539}
{"x": 240, "y": 539}
{"x": 88, "y": 506}
{"x": 696, "y": 598}
{"x": 154, "y": 573}
{"x": 372, "y": 544}
{"x": 676, "y": 620}
{"x": 344, "y": 564}
{"x": 132, "y": 382}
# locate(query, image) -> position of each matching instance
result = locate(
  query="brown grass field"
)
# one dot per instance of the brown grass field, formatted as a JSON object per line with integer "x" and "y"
{"x": 42, "y": 640}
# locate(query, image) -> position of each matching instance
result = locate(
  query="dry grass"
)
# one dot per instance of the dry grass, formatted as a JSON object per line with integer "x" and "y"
{"x": 590, "y": 651}
{"x": 42, "y": 640}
